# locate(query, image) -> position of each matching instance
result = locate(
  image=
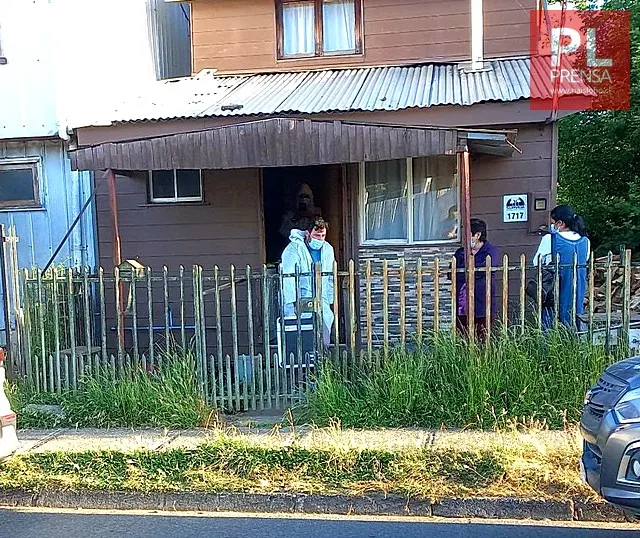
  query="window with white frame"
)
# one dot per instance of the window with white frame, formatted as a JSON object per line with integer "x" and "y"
{"x": 318, "y": 27}
{"x": 410, "y": 200}
{"x": 19, "y": 183}
{"x": 166, "y": 186}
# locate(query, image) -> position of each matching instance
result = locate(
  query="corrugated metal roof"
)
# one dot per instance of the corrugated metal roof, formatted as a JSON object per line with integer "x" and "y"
{"x": 313, "y": 92}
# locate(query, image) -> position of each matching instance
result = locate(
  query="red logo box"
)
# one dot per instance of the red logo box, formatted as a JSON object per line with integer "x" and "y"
{"x": 580, "y": 60}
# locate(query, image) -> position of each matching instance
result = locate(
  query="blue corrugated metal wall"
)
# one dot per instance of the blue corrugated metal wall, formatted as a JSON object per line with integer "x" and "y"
{"x": 63, "y": 192}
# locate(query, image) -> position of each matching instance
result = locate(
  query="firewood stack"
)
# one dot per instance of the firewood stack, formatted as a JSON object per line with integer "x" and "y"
{"x": 617, "y": 284}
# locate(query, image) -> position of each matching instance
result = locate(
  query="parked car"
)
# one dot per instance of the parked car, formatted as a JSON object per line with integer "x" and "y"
{"x": 610, "y": 427}
{"x": 8, "y": 423}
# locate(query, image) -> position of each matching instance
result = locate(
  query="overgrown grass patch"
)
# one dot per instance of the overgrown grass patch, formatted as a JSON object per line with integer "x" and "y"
{"x": 232, "y": 465}
{"x": 167, "y": 397}
{"x": 450, "y": 381}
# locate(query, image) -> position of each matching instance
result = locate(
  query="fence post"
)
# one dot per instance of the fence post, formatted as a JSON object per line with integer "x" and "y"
{"x": 27, "y": 327}
{"x": 454, "y": 295}
{"x": 150, "y": 316}
{"x": 267, "y": 337}
{"x": 436, "y": 295}
{"x": 403, "y": 305}
{"x": 352, "y": 309}
{"x": 505, "y": 293}
{"x": 488, "y": 303}
{"x": 336, "y": 311}
{"x": 369, "y": 307}
{"x": 197, "y": 322}
{"x": 607, "y": 301}
{"x": 523, "y": 283}
{"x": 385, "y": 306}
{"x": 626, "y": 298}
{"x": 556, "y": 291}
{"x": 4, "y": 267}
{"x": 471, "y": 298}
{"x": 419, "y": 314}
{"x": 72, "y": 329}
{"x": 591, "y": 294}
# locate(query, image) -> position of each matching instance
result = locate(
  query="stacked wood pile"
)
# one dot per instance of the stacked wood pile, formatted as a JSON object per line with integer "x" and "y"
{"x": 617, "y": 285}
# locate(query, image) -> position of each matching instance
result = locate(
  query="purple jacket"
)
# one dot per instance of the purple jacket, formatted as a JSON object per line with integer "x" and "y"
{"x": 481, "y": 278}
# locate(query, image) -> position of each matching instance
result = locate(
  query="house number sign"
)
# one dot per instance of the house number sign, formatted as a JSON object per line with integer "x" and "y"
{"x": 515, "y": 208}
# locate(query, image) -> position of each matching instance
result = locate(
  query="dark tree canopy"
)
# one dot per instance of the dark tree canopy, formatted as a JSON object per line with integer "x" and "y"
{"x": 599, "y": 160}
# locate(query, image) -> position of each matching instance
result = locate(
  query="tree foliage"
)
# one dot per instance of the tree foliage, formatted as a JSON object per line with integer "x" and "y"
{"x": 599, "y": 160}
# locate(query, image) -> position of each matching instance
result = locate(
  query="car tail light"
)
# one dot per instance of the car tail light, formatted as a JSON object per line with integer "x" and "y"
{"x": 7, "y": 420}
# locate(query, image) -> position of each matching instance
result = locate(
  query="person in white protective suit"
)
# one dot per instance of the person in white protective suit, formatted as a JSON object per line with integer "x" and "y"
{"x": 305, "y": 250}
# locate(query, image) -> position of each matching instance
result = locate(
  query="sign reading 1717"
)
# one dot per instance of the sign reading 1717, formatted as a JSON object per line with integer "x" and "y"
{"x": 515, "y": 208}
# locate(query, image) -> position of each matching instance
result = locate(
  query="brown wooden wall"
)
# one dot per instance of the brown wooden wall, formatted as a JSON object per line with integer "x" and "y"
{"x": 238, "y": 36}
{"x": 531, "y": 171}
{"x": 226, "y": 229}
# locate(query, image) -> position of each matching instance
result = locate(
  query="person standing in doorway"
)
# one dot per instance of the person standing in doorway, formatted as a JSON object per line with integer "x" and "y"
{"x": 480, "y": 249}
{"x": 305, "y": 250}
{"x": 567, "y": 240}
{"x": 303, "y": 215}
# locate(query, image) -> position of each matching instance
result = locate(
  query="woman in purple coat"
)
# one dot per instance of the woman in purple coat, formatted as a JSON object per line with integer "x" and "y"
{"x": 480, "y": 249}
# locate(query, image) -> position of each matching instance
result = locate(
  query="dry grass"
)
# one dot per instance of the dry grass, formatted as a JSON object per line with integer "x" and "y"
{"x": 529, "y": 463}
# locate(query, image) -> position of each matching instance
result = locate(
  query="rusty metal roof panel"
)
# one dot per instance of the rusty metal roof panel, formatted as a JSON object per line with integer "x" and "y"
{"x": 337, "y": 90}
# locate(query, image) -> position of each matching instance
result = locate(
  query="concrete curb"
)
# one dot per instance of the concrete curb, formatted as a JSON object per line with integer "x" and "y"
{"x": 377, "y": 504}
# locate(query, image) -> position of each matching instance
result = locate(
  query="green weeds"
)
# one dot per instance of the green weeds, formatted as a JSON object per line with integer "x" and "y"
{"x": 450, "y": 381}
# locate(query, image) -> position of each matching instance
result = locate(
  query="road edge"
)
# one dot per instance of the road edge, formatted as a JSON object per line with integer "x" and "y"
{"x": 375, "y": 504}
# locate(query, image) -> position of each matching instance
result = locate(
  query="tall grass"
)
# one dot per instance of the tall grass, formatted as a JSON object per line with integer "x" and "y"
{"x": 168, "y": 397}
{"x": 450, "y": 381}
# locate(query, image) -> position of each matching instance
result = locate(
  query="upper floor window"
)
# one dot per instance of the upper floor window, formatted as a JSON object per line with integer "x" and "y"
{"x": 175, "y": 186}
{"x": 19, "y": 183}
{"x": 410, "y": 201}
{"x": 318, "y": 27}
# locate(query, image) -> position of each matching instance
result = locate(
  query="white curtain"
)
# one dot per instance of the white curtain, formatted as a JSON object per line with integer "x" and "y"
{"x": 339, "y": 19}
{"x": 386, "y": 200}
{"x": 435, "y": 199}
{"x": 298, "y": 28}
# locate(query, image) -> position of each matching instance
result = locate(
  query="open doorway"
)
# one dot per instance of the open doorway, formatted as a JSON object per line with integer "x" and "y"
{"x": 281, "y": 187}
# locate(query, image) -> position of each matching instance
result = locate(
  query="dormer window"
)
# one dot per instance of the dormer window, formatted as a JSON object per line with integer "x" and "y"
{"x": 318, "y": 27}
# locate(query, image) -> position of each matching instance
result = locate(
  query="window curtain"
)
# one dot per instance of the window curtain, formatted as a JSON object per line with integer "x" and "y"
{"x": 298, "y": 28}
{"x": 386, "y": 200}
{"x": 435, "y": 199}
{"x": 339, "y": 19}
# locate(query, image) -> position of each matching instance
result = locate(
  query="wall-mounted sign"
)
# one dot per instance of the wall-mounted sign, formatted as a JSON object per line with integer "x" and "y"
{"x": 515, "y": 208}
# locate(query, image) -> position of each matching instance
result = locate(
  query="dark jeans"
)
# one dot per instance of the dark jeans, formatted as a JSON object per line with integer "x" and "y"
{"x": 462, "y": 326}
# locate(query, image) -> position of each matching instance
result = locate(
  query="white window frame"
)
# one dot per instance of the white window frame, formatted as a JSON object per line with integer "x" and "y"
{"x": 35, "y": 163}
{"x": 176, "y": 198}
{"x": 410, "y": 232}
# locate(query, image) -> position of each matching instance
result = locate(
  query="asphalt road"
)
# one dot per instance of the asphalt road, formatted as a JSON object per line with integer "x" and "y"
{"x": 71, "y": 524}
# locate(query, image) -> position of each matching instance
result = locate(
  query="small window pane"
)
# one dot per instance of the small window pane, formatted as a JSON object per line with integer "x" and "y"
{"x": 17, "y": 185}
{"x": 339, "y": 25}
{"x": 298, "y": 28}
{"x": 162, "y": 184}
{"x": 435, "y": 199}
{"x": 189, "y": 184}
{"x": 386, "y": 200}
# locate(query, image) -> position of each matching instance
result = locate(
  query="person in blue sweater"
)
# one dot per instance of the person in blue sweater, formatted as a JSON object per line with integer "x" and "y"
{"x": 480, "y": 249}
{"x": 567, "y": 240}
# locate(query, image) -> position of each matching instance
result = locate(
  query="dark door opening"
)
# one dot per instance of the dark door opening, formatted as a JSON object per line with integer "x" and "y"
{"x": 281, "y": 187}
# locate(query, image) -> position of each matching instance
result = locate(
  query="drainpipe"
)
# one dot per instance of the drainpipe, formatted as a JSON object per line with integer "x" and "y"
{"x": 477, "y": 35}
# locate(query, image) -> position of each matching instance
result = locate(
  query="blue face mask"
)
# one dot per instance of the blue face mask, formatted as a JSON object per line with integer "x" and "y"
{"x": 315, "y": 244}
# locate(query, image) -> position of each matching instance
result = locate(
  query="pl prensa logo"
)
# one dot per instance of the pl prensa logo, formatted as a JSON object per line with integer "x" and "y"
{"x": 580, "y": 60}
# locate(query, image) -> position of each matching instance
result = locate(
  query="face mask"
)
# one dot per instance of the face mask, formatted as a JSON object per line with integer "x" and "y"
{"x": 553, "y": 228}
{"x": 473, "y": 243}
{"x": 315, "y": 244}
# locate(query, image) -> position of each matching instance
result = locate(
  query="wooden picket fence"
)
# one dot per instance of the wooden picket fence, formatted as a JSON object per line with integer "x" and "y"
{"x": 75, "y": 322}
